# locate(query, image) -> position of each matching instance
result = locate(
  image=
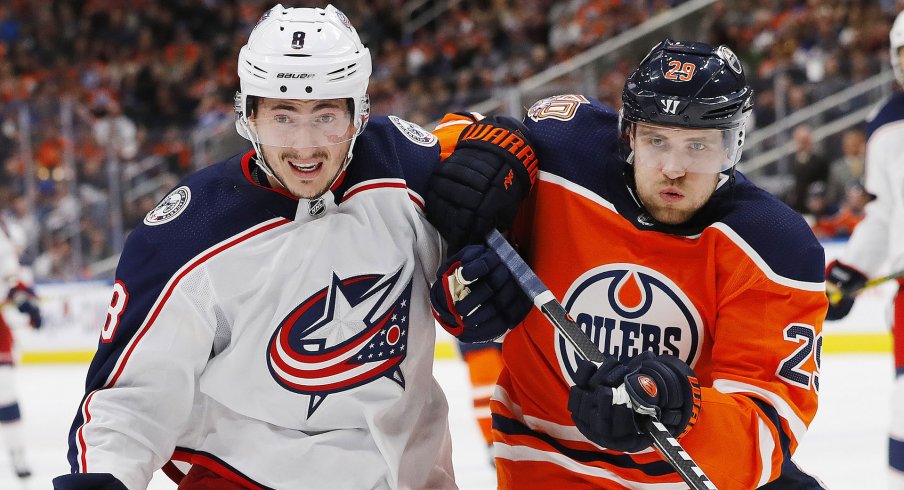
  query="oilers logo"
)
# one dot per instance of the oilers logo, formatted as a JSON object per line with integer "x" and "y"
{"x": 626, "y": 309}
{"x": 343, "y": 336}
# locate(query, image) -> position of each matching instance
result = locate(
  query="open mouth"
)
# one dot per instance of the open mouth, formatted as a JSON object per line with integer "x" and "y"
{"x": 305, "y": 169}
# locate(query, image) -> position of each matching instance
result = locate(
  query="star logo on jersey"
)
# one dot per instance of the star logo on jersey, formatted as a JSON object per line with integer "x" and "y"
{"x": 346, "y": 335}
{"x": 626, "y": 309}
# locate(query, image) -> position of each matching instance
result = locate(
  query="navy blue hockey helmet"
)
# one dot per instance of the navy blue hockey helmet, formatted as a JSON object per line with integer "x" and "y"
{"x": 690, "y": 85}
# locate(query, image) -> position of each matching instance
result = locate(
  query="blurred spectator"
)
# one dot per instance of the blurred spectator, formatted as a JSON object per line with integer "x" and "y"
{"x": 145, "y": 76}
{"x": 842, "y": 223}
{"x": 808, "y": 166}
{"x": 113, "y": 130}
{"x": 847, "y": 170}
{"x": 818, "y": 210}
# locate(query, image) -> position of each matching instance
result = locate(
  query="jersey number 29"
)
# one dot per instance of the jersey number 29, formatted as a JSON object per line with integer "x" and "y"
{"x": 791, "y": 368}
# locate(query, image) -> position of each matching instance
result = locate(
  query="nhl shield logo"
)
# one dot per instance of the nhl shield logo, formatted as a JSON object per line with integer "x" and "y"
{"x": 170, "y": 207}
{"x": 316, "y": 207}
{"x": 626, "y": 309}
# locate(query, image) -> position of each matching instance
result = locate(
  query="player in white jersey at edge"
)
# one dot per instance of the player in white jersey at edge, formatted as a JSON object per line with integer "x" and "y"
{"x": 13, "y": 278}
{"x": 269, "y": 326}
{"x": 877, "y": 244}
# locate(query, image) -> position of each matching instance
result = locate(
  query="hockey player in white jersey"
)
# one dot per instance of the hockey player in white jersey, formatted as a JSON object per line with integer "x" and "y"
{"x": 13, "y": 279}
{"x": 269, "y": 324}
{"x": 876, "y": 243}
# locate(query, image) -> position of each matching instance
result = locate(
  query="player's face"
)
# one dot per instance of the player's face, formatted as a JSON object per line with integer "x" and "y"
{"x": 673, "y": 181}
{"x": 305, "y": 142}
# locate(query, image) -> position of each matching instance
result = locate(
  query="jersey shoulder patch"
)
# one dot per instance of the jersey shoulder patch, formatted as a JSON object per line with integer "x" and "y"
{"x": 561, "y": 107}
{"x": 170, "y": 207}
{"x": 574, "y": 137}
{"x": 413, "y": 132}
{"x": 395, "y": 149}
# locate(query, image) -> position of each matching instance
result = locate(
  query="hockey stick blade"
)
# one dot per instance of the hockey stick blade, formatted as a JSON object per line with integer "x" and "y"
{"x": 546, "y": 302}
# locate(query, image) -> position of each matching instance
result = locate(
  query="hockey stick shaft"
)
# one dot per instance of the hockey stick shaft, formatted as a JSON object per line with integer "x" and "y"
{"x": 546, "y": 302}
{"x": 836, "y": 294}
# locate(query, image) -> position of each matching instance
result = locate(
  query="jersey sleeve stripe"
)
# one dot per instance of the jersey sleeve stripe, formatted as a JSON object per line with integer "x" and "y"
{"x": 461, "y": 122}
{"x": 773, "y": 417}
{"x": 416, "y": 198}
{"x": 576, "y": 189}
{"x": 758, "y": 260}
{"x": 525, "y": 453}
{"x": 217, "y": 466}
{"x": 373, "y": 184}
{"x": 562, "y": 432}
{"x": 767, "y": 446}
{"x": 513, "y": 427}
{"x": 777, "y": 403}
{"x": 158, "y": 306}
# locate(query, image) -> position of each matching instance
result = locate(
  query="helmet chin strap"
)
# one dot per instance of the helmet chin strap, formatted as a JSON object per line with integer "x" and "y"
{"x": 261, "y": 161}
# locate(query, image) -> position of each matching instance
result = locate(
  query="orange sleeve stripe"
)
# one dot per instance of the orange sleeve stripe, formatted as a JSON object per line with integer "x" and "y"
{"x": 449, "y": 130}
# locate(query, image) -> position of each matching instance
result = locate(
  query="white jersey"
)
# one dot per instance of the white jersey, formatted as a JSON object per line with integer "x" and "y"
{"x": 9, "y": 261}
{"x": 10, "y": 270}
{"x": 284, "y": 343}
{"x": 879, "y": 238}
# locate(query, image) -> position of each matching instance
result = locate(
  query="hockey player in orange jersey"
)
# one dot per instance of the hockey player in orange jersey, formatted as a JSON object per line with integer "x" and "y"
{"x": 673, "y": 263}
{"x": 484, "y": 362}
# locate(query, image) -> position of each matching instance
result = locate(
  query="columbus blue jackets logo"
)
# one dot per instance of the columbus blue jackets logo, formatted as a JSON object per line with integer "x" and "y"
{"x": 413, "y": 132}
{"x": 627, "y": 309}
{"x": 346, "y": 335}
{"x": 170, "y": 207}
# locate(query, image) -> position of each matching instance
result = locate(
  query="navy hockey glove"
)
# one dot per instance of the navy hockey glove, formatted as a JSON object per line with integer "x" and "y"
{"x": 88, "y": 481}
{"x": 26, "y": 300}
{"x": 847, "y": 281}
{"x": 663, "y": 385}
{"x": 475, "y": 298}
{"x": 480, "y": 185}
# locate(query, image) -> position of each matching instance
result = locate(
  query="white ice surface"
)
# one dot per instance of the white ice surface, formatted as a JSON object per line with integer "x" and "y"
{"x": 845, "y": 447}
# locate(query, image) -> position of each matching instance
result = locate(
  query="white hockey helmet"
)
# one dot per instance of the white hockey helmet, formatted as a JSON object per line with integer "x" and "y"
{"x": 303, "y": 53}
{"x": 896, "y": 41}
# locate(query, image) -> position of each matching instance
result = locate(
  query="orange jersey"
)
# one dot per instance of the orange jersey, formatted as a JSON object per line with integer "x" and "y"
{"x": 737, "y": 292}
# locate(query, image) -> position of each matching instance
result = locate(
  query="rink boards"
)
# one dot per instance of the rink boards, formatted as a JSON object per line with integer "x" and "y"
{"x": 74, "y": 312}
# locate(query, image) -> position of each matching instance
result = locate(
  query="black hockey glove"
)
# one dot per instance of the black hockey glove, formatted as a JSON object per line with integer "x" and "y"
{"x": 475, "y": 298}
{"x": 661, "y": 384}
{"x": 88, "y": 481}
{"x": 846, "y": 280}
{"x": 26, "y": 301}
{"x": 480, "y": 185}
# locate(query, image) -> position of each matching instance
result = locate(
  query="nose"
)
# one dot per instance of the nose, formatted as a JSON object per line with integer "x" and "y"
{"x": 674, "y": 170}
{"x": 303, "y": 139}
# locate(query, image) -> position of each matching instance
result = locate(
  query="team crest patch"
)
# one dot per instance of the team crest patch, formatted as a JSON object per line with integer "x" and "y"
{"x": 626, "y": 309}
{"x": 413, "y": 132}
{"x": 170, "y": 207}
{"x": 350, "y": 333}
{"x": 561, "y": 107}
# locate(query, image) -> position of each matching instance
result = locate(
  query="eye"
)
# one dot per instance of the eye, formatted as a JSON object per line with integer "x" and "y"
{"x": 281, "y": 118}
{"x": 326, "y": 118}
{"x": 657, "y": 141}
{"x": 696, "y": 145}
